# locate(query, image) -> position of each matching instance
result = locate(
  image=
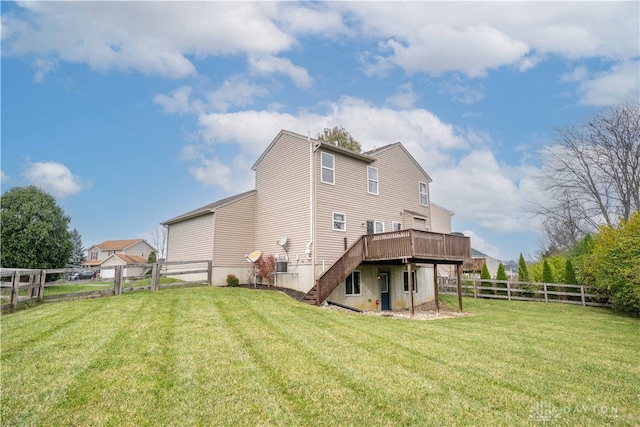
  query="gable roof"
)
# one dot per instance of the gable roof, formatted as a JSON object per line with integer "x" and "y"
{"x": 384, "y": 148}
{"x": 117, "y": 245}
{"x": 127, "y": 259}
{"x": 316, "y": 144}
{"x": 210, "y": 208}
{"x": 130, "y": 259}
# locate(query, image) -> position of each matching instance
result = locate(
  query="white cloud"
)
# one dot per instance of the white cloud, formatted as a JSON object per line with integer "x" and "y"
{"x": 4, "y": 177}
{"x": 235, "y": 92}
{"x": 472, "y": 50}
{"x": 54, "y": 178}
{"x": 234, "y": 178}
{"x": 268, "y": 64}
{"x": 460, "y": 92}
{"x": 43, "y": 66}
{"x": 480, "y": 244}
{"x": 473, "y": 37}
{"x": 620, "y": 84}
{"x": 424, "y": 134}
{"x": 578, "y": 74}
{"x": 405, "y": 98}
{"x": 480, "y": 189}
{"x": 432, "y": 37}
{"x": 149, "y": 37}
{"x": 178, "y": 102}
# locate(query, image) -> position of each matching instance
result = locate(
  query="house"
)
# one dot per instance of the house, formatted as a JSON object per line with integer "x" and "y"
{"x": 119, "y": 252}
{"x": 355, "y": 228}
{"x": 473, "y": 267}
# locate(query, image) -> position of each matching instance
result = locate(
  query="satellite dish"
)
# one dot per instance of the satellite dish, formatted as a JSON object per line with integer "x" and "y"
{"x": 253, "y": 256}
{"x": 283, "y": 241}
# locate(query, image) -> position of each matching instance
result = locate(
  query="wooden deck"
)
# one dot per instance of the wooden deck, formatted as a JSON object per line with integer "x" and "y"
{"x": 395, "y": 247}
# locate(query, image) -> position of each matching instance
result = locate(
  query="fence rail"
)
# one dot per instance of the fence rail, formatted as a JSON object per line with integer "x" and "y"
{"x": 20, "y": 286}
{"x": 525, "y": 291}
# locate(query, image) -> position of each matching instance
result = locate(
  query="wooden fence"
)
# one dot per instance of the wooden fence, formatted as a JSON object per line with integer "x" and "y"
{"x": 525, "y": 291}
{"x": 21, "y": 286}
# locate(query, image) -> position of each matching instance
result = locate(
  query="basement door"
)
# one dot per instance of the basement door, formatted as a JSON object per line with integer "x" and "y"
{"x": 384, "y": 291}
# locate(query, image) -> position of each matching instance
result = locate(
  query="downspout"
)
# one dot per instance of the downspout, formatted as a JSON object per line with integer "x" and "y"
{"x": 308, "y": 249}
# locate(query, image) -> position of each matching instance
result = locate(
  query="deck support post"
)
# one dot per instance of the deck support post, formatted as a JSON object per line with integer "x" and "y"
{"x": 459, "y": 275}
{"x": 410, "y": 278}
{"x": 435, "y": 287}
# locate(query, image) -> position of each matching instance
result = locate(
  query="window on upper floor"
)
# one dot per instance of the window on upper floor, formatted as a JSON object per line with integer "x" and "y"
{"x": 327, "y": 168}
{"x": 424, "y": 194}
{"x": 406, "y": 281}
{"x": 93, "y": 255}
{"x": 372, "y": 180}
{"x": 397, "y": 226}
{"x": 352, "y": 284}
{"x": 339, "y": 221}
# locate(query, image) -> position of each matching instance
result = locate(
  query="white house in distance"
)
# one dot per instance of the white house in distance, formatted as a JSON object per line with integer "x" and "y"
{"x": 119, "y": 252}
{"x": 345, "y": 226}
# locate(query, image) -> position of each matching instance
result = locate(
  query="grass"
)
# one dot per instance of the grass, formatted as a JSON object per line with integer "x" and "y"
{"x": 233, "y": 356}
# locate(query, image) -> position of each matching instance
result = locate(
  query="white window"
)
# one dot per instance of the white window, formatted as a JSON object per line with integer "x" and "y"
{"x": 327, "y": 168}
{"x": 424, "y": 196}
{"x": 339, "y": 221}
{"x": 94, "y": 255}
{"x": 406, "y": 281}
{"x": 375, "y": 226}
{"x": 352, "y": 284}
{"x": 372, "y": 180}
{"x": 397, "y": 226}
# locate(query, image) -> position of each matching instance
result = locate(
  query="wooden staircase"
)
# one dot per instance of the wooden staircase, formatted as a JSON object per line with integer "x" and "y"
{"x": 337, "y": 273}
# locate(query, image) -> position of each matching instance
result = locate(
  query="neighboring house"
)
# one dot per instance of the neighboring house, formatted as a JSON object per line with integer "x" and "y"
{"x": 473, "y": 267}
{"x": 119, "y": 252}
{"x": 315, "y": 203}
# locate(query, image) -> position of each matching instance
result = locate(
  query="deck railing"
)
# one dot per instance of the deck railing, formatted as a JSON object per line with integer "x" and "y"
{"x": 417, "y": 244}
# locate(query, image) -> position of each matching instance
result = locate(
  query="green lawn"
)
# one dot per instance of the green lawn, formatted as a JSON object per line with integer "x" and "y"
{"x": 221, "y": 356}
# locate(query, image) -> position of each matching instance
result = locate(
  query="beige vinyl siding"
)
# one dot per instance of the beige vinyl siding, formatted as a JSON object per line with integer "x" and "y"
{"x": 191, "y": 239}
{"x": 234, "y": 232}
{"x": 282, "y": 197}
{"x": 140, "y": 249}
{"x": 440, "y": 219}
{"x": 398, "y": 178}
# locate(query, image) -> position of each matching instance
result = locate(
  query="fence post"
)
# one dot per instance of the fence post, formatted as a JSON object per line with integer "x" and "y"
{"x": 15, "y": 286}
{"x": 43, "y": 280}
{"x": 545, "y": 292}
{"x": 475, "y": 288}
{"x": 584, "y": 302}
{"x": 154, "y": 276}
{"x": 117, "y": 280}
{"x": 508, "y": 290}
{"x": 209, "y": 273}
{"x": 31, "y": 292}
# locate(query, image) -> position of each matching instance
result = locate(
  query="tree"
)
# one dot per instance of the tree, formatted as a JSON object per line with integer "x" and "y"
{"x": 523, "y": 273}
{"x": 501, "y": 275}
{"x": 34, "y": 230}
{"x": 340, "y": 137}
{"x": 159, "y": 240}
{"x": 569, "y": 274}
{"x": 152, "y": 257}
{"x": 614, "y": 264}
{"x": 485, "y": 275}
{"x": 591, "y": 175}
{"x": 78, "y": 253}
{"x": 547, "y": 272}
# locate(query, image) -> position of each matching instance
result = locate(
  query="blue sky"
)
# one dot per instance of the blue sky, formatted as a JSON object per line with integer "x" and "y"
{"x": 131, "y": 113}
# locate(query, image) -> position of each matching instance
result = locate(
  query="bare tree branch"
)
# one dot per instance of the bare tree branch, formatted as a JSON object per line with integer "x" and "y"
{"x": 591, "y": 175}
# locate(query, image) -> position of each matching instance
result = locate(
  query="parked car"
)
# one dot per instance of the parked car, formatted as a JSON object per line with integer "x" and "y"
{"x": 80, "y": 275}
